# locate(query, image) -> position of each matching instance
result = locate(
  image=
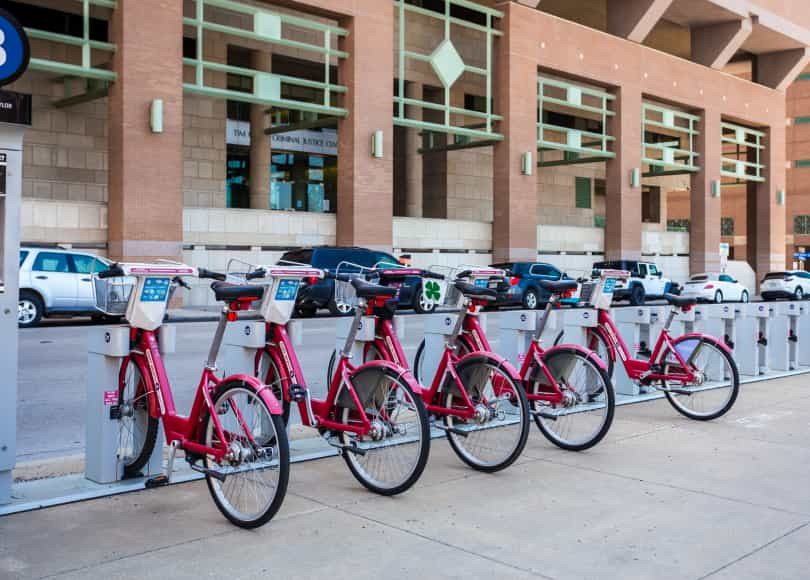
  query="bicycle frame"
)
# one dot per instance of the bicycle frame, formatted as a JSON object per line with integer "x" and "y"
{"x": 315, "y": 412}
{"x": 145, "y": 354}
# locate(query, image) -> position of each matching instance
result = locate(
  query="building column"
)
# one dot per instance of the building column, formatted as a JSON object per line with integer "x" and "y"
{"x": 365, "y": 196}
{"x": 623, "y": 201}
{"x": 260, "y": 153}
{"x": 145, "y": 208}
{"x": 434, "y": 163}
{"x": 765, "y": 216}
{"x": 514, "y": 226}
{"x": 413, "y": 159}
{"x": 705, "y": 210}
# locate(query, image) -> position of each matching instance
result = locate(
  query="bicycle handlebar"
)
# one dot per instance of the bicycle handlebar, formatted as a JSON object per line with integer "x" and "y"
{"x": 114, "y": 271}
{"x": 180, "y": 282}
{"x": 203, "y": 273}
{"x": 258, "y": 273}
{"x": 341, "y": 277}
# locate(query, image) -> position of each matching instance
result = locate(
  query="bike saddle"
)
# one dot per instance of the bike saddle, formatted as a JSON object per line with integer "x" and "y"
{"x": 474, "y": 291}
{"x": 558, "y": 286}
{"x": 225, "y": 292}
{"x": 368, "y": 290}
{"x": 680, "y": 301}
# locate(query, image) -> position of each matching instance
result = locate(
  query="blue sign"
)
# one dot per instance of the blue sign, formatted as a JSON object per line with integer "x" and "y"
{"x": 14, "y": 49}
{"x": 155, "y": 290}
{"x": 287, "y": 289}
{"x": 801, "y": 256}
{"x": 610, "y": 284}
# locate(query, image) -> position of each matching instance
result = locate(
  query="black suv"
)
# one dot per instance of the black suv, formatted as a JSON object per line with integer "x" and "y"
{"x": 524, "y": 288}
{"x": 322, "y": 294}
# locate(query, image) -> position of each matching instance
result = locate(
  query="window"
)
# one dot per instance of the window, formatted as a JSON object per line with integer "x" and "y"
{"x": 23, "y": 256}
{"x": 51, "y": 262}
{"x": 801, "y": 224}
{"x": 583, "y": 193}
{"x": 599, "y": 187}
{"x": 237, "y": 192}
{"x": 653, "y": 270}
{"x": 85, "y": 264}
{"x": 678, "y": 225}
{"x": 726, "y": 278}
{"x": 540, "y": 270}
{"x": 651, "y": 205}
{"x": 456, "y": 11}
{"x": 727, "y": 226}
{"x": 642, "y": 270}
{"x": 56, "y": 21}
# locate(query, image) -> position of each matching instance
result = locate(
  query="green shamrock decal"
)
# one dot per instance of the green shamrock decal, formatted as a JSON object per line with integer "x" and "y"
{"x": 432, "y": 290}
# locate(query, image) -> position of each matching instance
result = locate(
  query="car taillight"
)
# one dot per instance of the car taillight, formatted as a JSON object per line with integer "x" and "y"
{"x": 514, "y": 281}
{"x": 708, "y": 286}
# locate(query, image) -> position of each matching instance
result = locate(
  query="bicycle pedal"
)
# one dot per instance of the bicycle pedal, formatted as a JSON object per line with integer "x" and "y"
{"x": 157, "y": 481}
{"x": 209, "y": 472}
{"x": 297, "y": 393}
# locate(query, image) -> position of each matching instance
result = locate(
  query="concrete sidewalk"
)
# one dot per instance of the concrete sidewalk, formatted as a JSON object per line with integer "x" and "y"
{"x": 661, "y": 497}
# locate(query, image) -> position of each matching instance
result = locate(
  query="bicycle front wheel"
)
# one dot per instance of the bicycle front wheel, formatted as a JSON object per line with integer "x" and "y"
{"x": 584, "y": 414}
{"x": 248, "y": 485}
{"x": 391, "y": 457}
{"x": 494, "y": 437}
{"x": 137, "y": 429}
{"x": 716, "y": 381}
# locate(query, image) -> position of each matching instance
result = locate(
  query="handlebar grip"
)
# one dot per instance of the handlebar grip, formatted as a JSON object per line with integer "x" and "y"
{"x": 259, "y": 273}
{"x": 180, "y": 282}
{"x": 342, "y": 277}
{"x": 464, "y": 274}
{"x": 114, "y": 271}
{"x": 434, "y": 275}
{"x": 203, "y": 273}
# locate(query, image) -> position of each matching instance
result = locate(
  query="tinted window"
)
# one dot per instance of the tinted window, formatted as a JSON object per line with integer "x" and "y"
{"x": 726, "y": 278}
{"x": 653, "y": 270}
{"x": 385, "y": 259}
{"x": 51, "y": 262}
{"x": 84, "y": 264}
{"x": 776, "y": 276}
{"x": 23, "y": 256}
{"x": 541, "y": 270}
{"x": 298, "y": 256}
{"x": 642, "y": 270}
{"x": 702, "y": 278}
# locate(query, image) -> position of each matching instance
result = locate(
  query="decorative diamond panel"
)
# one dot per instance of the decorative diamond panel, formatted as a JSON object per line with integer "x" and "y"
{"x": 447, "y": 63}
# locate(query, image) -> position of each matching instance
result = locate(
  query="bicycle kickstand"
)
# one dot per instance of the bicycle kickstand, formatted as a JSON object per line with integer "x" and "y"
{"x": 165, "y": 478}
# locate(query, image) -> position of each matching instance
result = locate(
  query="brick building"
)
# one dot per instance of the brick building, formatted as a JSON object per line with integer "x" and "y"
{"x": 457, "y": 131}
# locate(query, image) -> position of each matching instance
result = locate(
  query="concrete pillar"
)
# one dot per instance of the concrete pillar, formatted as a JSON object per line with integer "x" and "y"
{"x": 259, "y": 178}
{"x": 514, "y": 227}
{"x": 705, "y": 210}
{"x": 714, "y": 45}
{"x": 413, "y": 159}
{"x": 634, "y": 19}
{"x": 434, "y": 164}
{"x": 765, "y": 216}
{"x": 623, "y": 201}
{"x": 145, "y": 168}
{"x": 365, "y": 183}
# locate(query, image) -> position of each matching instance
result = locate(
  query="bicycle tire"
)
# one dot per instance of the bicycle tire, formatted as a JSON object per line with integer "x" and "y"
{"x": 461, "y": 350}
{"x": 272, "y": 378}
{"x": 603, "y": 345}
{"x": 279, "y": 437}
{"x": 141, "y": 458}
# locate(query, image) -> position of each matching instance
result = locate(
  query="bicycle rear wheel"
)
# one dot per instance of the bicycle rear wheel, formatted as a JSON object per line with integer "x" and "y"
{"x": 495, "y": 437}
{"x": 137, "y": 429}
{"x": 256, "y": 467}
{"x": 585, "y": 414}
{"x": 390, "y": 458}
{"x": 418, "y": 360}
{"x": 717, "y": 382}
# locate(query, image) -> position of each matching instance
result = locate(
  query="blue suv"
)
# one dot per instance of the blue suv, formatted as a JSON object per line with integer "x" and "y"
{"x": 523, "y": 289}
{"x": 322, "y": 293}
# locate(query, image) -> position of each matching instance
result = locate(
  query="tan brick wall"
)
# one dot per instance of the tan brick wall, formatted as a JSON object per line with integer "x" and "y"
{"x": 469, "y": 184}
{"x": 204, "y": 152}
{"x": 65, "y": 150}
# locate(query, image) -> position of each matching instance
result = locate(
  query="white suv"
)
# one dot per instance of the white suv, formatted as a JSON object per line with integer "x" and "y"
{"x": 56, "y": 281}
{"x": 793, "y": 284}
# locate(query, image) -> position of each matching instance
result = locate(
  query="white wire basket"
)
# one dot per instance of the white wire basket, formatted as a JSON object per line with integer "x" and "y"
{"x": 112, "y": 294}
{"x": 598, "y": 292}
{"x": 345, "y": 293}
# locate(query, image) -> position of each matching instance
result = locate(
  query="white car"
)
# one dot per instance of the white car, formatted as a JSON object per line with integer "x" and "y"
{"x": 793, "y": 284}
{"x": 56, "y": 281}
{"x": 710, "y": 287}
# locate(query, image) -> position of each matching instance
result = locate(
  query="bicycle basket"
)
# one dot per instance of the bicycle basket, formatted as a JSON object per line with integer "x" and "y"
{"x": 112, "y": 294}
{"x": 345, "y": 294}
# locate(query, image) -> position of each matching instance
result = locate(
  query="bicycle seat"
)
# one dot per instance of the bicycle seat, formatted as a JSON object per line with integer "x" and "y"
{"x": 368, "y": 290}
{"x": 225, "y": 292}
{"x": 680, "y": 301}
{"x": 474, "y": 291}
{"x": 558, "y": 286}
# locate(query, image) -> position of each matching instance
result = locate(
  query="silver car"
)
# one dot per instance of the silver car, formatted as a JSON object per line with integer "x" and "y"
{"x": 56, "y": 281}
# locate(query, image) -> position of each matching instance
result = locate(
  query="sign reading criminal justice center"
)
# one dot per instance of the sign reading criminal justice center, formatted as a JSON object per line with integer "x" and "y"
{"x": 322, "y": 142}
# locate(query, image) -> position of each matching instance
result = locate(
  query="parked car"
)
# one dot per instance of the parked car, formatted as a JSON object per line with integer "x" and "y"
{"x": 311, "y": 297}
{"x": 56, "y": 281}
{"x": 646, "y": 281}
{"x": 522, "y": 286}
{"x": 713, "y": 287}
{"x": 793, "y": 285}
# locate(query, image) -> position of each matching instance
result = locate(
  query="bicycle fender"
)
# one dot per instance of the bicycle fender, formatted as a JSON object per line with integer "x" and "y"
{"x": 403, "y": 372}
{"x": 492, "y": 357}
{"x": 263, "y": 390}
{"x": 589, "y": 354}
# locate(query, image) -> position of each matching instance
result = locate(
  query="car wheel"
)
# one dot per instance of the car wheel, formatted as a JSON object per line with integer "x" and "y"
{"x": 29, "y": 309}
{"x": 530, "y": 300}
{"x": 420, "y": 305}
{"x": 798, "y": 294}
{"x": 637, "y": 295}
{"x": 744, "y": 296}
{"x": 718, "y": 297}
{"x": 339, "y": 308}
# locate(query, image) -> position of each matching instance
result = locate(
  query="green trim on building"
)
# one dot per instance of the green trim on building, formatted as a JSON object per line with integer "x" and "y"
{"x": 801, "y": 120}
{"x": 802, "y": 164}
{"x": 803, "y": 77}
{"x": 583, "y": 193}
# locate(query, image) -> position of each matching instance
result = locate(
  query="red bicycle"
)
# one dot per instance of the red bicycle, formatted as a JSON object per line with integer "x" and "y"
{"x": 234, "y": 434}
{"x": 372, "y": 413}
{"x": 696, "y": 372}
{"x": 474, "y": 391}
